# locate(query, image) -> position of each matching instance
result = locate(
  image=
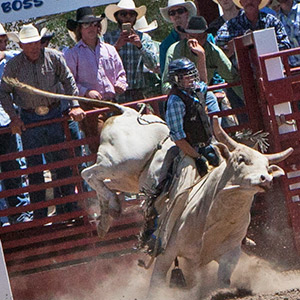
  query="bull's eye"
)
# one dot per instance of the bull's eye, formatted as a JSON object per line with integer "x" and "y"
{"x": 241, "y": 159}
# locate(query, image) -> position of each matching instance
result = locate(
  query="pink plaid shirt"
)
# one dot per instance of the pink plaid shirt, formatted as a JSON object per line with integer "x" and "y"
{"x": 97, "y": 70}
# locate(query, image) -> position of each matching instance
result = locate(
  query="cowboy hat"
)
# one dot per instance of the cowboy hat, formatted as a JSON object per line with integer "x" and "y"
{"x": 111, "y": 9}
{"x": 197, "y": 24}
{"x": 11, "y": 35}
{"x": 103, "y": 30}
{"x": 262, "y": 4}
{"x": 83, "y": 15}
{"x": 30, "y": 34}
{"x": 189, "y": 5}
{"x": 143, "y": 26}
{"x": 47, "y": 37}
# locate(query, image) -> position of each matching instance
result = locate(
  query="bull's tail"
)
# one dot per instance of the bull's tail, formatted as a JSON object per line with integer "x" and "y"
{"x": 119, "y": 109}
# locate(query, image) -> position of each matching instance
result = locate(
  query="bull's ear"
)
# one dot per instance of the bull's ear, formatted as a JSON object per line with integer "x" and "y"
{"x": 223, "y": 150}
{"x": 276, "y": 171}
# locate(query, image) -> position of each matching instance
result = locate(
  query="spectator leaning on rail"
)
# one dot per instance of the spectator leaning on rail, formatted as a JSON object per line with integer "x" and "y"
{"x": 250, "y": 18}
{"x": 136, "y": 49}
{"x": 45, "y": 69}
{"x": 8, "y": 143}
{"x": 96, "y": 66}
{"x": 289, "y": 15}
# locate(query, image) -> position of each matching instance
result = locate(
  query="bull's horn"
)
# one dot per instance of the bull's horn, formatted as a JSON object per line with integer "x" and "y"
{"x": 280, "y": 156}
{"x": 222, "y": 136}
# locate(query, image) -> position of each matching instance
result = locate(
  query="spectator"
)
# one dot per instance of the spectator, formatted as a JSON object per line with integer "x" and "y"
{"x": 235, "y": 99}
{"x": 45, "y": 69}
{"x": 250, "y": 18}
{"x": 96, "y": 66}
{"x": 152, "y": 78}
{"x": 229, "y": 10}
{"x": 289, "y": 15}
{"x": 136, "y": 49}
{"x": 191, "y": 47}
{"x": 46, "y": 38}
{"x": 177, "y": 12}
{"x": 8, "y": 144}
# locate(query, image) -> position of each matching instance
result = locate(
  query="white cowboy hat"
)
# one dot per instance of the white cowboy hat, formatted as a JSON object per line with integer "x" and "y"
{"x": 30, "y": 34}
{"x": 11, "y": 35}
{"x": 143, "y": 26}
{"x": 103, "y": 30}
{"x": 111, "y": 9}
{"x": 262, "y": 4}
{"x": 189, "y": 5}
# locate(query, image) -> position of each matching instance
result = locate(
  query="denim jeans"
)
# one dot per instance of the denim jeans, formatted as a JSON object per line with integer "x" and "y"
{"x": 8, "y": 144}
{"x": 44, "y": 136}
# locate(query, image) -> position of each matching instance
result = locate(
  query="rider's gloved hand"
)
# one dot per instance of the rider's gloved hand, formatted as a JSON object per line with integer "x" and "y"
{"x": 201, "y": 165}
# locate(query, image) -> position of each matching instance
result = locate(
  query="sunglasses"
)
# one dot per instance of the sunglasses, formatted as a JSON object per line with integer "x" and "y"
{"x": 87, "y": 25}
{"x": 179, "y": 11}
{"x": 124, "y": 13}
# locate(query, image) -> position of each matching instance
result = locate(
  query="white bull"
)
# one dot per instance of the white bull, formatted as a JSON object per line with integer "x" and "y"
{"x": 215, "y": 219}
{"x": 130, "y": 157}
{"x": 217, "y": 214}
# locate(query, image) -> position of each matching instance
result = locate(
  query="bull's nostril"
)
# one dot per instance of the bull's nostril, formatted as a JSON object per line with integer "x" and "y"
{"x": 262, "y": 178}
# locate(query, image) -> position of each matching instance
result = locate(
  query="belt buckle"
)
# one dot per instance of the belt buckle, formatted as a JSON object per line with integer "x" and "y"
{"x": 41, "y": 110}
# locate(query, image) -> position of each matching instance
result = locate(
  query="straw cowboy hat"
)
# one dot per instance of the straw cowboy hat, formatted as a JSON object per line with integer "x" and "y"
{"x": 83, "y": 15}
{"x": 11, "y": 35}
{"x": 197, "y": 24}
{"x": 189, "y": 5}
{"x": 29, "y": 34}
{"x": 143, "y": 26}
{"x": 111, "y": 9}
{"x": 262, "y": 4}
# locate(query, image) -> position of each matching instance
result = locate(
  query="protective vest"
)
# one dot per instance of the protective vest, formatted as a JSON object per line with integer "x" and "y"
{"x": 196, "y": 124}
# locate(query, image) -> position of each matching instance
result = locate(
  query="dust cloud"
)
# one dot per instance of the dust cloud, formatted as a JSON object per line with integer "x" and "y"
{"x": 252, "y": 273}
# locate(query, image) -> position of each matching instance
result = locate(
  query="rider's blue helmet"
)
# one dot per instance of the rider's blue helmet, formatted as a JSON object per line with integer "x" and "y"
{"x": 182, "y": 68}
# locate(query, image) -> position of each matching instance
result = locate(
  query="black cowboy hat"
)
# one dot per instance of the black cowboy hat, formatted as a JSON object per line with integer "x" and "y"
{"x": 83, "y": 15}
{"x": 197, "y": 24}
{"x": 47, "y": 37}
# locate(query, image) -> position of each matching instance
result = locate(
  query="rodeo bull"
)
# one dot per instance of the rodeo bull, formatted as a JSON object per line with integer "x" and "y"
{"x": 216, "y": 215}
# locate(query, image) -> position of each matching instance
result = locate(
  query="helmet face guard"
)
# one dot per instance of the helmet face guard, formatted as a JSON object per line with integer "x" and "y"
{"x": 184, "y": 74}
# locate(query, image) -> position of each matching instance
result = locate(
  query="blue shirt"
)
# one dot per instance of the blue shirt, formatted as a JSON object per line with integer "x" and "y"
{"x": 176, "y": 111}
{"x": 291, "y": 24}
{"x": 4, "y": 118}
{"x": 239, "y": 25}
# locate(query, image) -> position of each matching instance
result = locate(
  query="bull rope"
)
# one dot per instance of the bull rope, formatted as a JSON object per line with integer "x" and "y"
{"x": 147, "y": 122}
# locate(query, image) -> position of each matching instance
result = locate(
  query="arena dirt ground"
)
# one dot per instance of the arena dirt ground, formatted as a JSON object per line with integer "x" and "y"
{"x": 268, "y": 271}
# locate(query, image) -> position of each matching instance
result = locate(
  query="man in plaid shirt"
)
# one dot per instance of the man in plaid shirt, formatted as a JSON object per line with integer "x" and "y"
{"x": 135, "y": 48}
{"x": 252, "y": 19}
{"x": 289, "y": 15}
